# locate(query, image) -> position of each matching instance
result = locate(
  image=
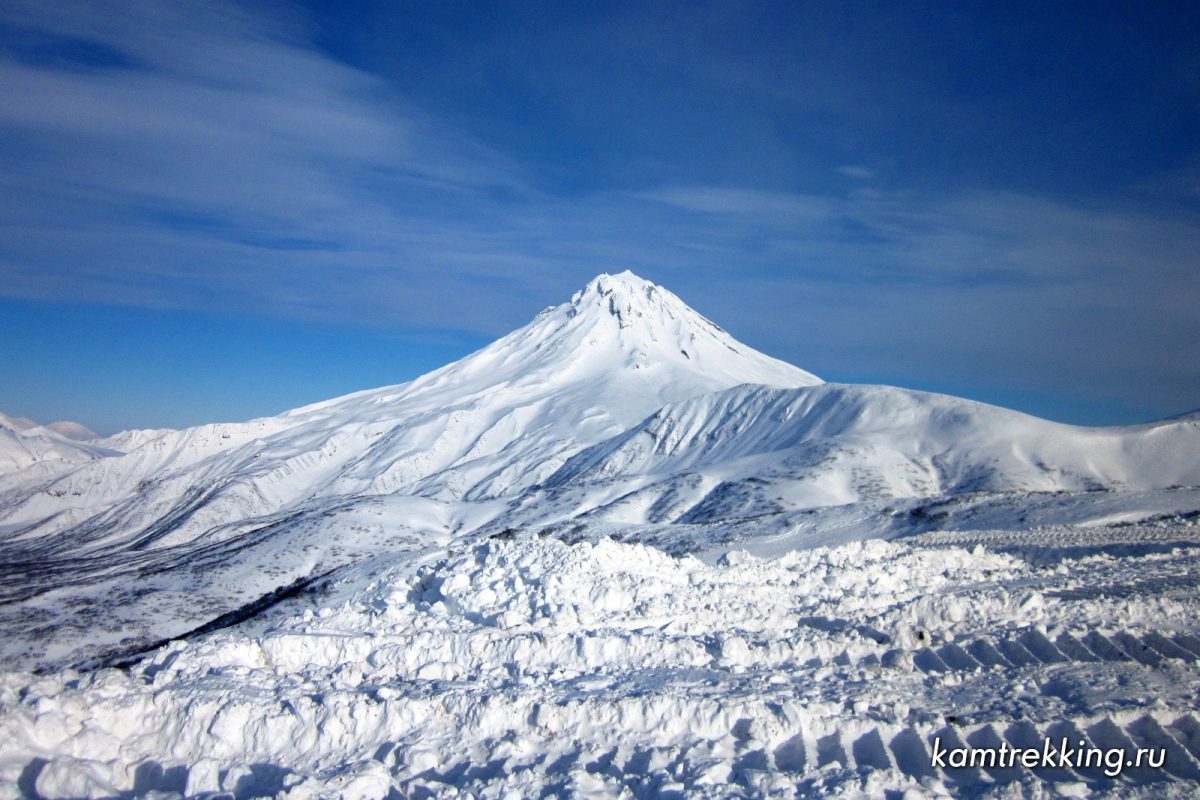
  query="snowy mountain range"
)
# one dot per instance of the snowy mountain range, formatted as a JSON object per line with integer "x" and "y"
{"x": 24, "y": 443}
{"x": 65, "y": 428}
{"x": 620, "y": 407}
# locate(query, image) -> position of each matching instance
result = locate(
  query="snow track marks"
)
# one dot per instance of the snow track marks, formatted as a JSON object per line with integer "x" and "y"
{"x": 530, "y": 666}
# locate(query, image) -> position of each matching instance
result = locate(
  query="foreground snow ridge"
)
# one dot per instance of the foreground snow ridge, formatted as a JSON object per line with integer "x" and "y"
{"x": 526, "y": 666}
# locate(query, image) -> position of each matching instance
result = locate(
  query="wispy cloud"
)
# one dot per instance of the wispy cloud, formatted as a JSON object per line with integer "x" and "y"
{"x": 996, "y": 289}
{"x": 973, "y": 238}
{"x": 859, "y": 173}
{"x": 214, "y": 153}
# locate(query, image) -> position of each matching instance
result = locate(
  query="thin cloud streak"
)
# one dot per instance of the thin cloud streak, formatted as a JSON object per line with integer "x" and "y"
{"x": 998, "y": 290}
{"x": 219, "y": 161}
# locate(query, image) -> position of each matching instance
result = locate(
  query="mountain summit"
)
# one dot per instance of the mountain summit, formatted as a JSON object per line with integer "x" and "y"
{"x": 623, "y": 329}
{"x": 633, "y": 302}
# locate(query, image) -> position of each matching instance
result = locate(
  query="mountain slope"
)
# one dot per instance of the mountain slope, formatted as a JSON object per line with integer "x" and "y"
{"x": 755, "y": 450}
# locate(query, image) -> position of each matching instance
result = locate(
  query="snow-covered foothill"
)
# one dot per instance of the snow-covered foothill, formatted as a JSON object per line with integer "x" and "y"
{"x": 756, "y": 449}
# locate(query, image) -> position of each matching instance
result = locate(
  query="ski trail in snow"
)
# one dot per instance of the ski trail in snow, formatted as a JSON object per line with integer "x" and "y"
{"x": 526, "y": 665}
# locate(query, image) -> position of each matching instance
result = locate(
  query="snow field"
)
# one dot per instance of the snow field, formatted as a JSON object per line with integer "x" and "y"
{"x": 525, "y": 666}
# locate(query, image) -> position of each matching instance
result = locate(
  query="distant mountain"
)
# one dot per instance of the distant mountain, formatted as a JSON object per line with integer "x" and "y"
{"x": 17, "y": 423}
{"x": 485, "y": 427}
{"x": 68, "y": 430}
{"x": 73, "y": 430}
{"x": 27, "y": 446}
{"x": 57, "y": 447}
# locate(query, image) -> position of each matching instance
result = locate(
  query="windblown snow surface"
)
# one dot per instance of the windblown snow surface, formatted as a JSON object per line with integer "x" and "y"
{"x": 615, "y": 554}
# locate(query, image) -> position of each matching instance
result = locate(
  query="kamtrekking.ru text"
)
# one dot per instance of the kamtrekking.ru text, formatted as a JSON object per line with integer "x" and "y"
{"x": 1051, "y": 754}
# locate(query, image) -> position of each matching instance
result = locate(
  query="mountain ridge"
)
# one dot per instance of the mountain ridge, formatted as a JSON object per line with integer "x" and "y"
{"x": 836, "y": 444}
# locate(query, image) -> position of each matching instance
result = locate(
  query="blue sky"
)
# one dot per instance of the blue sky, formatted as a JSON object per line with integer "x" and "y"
{"x": 211, "y": 211}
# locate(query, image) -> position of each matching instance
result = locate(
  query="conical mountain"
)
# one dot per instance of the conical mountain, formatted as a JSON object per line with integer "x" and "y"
{"x": 485, "y": 427}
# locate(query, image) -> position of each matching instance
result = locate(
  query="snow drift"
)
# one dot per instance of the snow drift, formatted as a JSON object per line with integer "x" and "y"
{"x": 531, "y": 668}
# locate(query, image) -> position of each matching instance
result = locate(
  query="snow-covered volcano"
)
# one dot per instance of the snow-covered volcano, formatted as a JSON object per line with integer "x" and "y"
{"x": 446, "y": 451}
{"x": 487, "y": 426}
{"x": 622, "y": 406}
